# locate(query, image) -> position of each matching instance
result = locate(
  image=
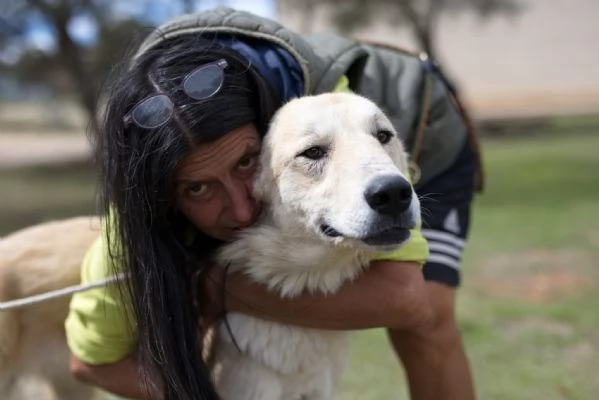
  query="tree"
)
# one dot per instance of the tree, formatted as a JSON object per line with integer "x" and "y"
{"x": 69, "y": 55}
{"x": 85, "y": 66}
{"x": 115, "y": 41}
{"x": 421, "y": 16}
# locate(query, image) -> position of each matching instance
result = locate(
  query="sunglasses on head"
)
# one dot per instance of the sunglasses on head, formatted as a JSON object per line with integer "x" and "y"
{"x": 200, "y": 84}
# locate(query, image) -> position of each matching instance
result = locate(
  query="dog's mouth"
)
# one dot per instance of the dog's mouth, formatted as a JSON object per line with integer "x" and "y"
{"x": 330, "y": 231}
{"x": 387, "y": 237}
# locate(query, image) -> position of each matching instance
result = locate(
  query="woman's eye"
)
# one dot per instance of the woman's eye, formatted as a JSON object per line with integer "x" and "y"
{"x": 383, "y": 136}
{"x": 314, "y": 153}
{"x": 197, "y": 189}
{"x": 247, "y": 162}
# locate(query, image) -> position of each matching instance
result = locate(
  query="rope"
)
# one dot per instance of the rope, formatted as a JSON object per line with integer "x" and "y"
{"x": 474, "y": 142}
{"x": 55, "y": 294}
{"x": 425, "y": 111}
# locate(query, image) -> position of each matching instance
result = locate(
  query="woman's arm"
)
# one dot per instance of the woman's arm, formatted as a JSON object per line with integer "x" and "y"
{"x": 388, "y": 294}
{"x": 121, "y": 378}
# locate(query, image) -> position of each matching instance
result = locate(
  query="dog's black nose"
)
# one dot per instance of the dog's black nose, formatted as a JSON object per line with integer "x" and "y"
{"x": 390, "y": 194}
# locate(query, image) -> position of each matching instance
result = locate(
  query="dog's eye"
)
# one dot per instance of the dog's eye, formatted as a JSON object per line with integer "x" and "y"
{"x": 384, "y": 136}
{"x": 314, "y": 153}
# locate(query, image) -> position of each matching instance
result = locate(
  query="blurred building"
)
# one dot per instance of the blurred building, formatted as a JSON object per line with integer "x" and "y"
{"x": 542, "y": 61}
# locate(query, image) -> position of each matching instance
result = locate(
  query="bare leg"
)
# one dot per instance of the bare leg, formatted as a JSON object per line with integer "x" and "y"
{"x": 434, "y": 359}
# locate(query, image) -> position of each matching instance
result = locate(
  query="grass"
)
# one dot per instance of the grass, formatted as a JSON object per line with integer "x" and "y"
{"x": 528, "y": 305}
{"x": 33, "y": 195}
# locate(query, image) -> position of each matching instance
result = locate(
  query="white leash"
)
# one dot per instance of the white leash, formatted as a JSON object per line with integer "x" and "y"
{"x": 55, "y": 294}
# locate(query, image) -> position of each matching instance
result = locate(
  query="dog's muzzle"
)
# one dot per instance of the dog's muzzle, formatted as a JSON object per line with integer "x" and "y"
{"x": 390, "y": 197}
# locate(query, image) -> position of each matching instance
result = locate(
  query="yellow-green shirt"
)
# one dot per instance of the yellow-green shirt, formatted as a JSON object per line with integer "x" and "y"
{"x": 99, "y": 326}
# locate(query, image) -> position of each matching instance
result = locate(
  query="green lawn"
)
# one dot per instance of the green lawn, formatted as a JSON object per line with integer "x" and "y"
{"x": 529, "y": 301}
{"x": 33, "y": 195}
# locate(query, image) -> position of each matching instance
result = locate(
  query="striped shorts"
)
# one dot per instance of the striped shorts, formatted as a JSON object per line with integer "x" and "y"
{"x": 446, "y": 202}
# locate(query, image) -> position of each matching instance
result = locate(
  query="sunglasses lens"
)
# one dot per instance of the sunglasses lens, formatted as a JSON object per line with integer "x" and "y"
{"x": 204, "y": 82}
{"x": 153, "y": 112}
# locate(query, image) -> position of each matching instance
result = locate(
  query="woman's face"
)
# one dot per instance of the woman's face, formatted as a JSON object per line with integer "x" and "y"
{"x": 214, "y": 183}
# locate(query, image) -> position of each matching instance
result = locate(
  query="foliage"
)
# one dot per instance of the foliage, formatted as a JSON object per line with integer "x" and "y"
{"x": 72, "y": 67}
{"x": 421, "y": 16}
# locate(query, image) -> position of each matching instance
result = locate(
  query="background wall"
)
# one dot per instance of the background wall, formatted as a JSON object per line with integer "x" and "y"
{"x": 542, "y": 61}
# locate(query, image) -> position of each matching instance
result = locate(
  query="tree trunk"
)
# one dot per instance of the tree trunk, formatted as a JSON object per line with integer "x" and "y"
{"x": 426, "y": 40}
{"x": 72, "y": 59}
{"x": 188, "y": 6}
{"x": 422, "y": 27}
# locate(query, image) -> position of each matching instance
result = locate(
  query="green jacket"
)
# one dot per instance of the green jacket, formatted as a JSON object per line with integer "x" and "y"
{"x": 393, "y": 79}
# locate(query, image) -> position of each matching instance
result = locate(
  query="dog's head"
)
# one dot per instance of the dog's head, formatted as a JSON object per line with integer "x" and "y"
{"x": 332, "y": 165}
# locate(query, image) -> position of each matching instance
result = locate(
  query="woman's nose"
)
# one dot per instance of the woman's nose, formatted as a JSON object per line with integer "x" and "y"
{"x": 242, "y": 203}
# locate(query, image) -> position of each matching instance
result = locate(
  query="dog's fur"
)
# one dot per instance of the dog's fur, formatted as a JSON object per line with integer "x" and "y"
{"x": 290, "y": 252}
{"x": 37, "y": 260}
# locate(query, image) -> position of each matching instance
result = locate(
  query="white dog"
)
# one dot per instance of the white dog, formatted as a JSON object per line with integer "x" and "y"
{"x": 334, "y": 181}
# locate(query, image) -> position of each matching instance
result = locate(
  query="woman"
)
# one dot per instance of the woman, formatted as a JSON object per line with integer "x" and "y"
{"x": 177, "y": 152}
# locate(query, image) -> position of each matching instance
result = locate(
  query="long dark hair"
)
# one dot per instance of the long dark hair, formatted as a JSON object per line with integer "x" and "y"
{"x": 144, "y": 228}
